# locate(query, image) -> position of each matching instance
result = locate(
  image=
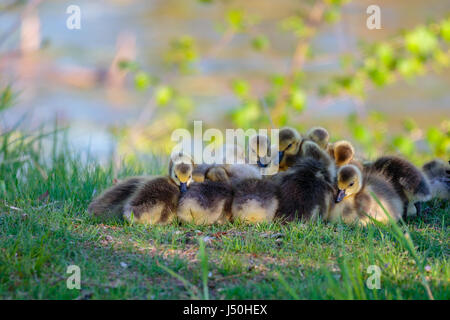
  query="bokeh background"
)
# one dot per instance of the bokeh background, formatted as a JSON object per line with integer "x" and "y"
{"x": 138, "y": 69}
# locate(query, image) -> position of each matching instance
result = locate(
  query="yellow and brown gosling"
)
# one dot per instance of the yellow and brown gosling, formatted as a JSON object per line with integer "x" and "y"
{"x": 289, "y": 146}
{"x": 255, "y": 201}
{"x": 155, "y": 201}
{"x": 354, "y": 203}
{"x": 438, "y": 174}
{"x": 408, "y": 181}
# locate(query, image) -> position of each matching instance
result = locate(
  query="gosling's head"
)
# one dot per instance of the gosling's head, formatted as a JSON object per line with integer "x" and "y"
{"x": 343, "y": 152}
{"x": 181, "y": 168}
{"x": 259, "y": 150}
{"x": 349, "y": 181}
{"x": 437, "y": 169}
{"x": 289, "y": 142}
{"x": 319, "y": 135}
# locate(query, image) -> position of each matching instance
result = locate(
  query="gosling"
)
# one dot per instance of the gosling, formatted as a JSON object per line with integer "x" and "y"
{"x": 354, "y": 202}
{"x": 255, "y": 201}
{"x": 305, "y": 190}
{"x": 408, "y": 181}
{"x": 438, "y": 174}
{"x": 147, "y": 200}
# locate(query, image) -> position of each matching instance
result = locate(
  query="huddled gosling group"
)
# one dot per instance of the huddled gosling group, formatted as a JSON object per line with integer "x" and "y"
{"x": 308, "y": 178}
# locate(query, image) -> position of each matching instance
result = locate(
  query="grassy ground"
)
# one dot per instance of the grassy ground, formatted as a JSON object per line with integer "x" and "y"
{"x": 44, "y": 228}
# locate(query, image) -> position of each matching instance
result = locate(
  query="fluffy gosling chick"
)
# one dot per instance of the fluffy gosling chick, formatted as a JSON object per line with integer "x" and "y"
{"x": 341, "y": 151}
{"x": 255, "y": 201}
{"x": 354, "y": 201}
{"x": 309, "y": 149}
{"x": 200, "y": 171}
{"x": 155, "y": 201}
{"x": 305, "y": 190}
{"x": 408, "y": 181}
{"x": 206, "y": 203}
{"x": 263, "y": 155}
{"x": 233, "y": 173}
{"x": 438, "y": 174}
{"x": 289, "y": 145}
{"x": 319, "y": 135}
{"x": 227, "y": 172}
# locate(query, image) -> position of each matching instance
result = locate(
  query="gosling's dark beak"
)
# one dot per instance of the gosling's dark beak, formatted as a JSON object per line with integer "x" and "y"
{"x": 260, "y": 164}
{"x": 340, "y": 196}
{"x": 183, "y": 187}
{"x": 280, "y": 156}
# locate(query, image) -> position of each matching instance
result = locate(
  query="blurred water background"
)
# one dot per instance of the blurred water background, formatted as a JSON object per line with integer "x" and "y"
{"x": 71, "y": 78}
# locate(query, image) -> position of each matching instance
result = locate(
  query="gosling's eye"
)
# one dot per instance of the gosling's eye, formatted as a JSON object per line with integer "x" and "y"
{"x": 176, "y": 176}
{"x": 351, "y": 184}
{"x": 290, "y": 145}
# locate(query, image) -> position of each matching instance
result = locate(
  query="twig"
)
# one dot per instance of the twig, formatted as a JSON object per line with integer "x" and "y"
{"x": 298, "y": 59}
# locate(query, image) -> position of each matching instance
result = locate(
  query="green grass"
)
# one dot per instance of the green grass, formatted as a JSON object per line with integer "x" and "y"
{"x": 44, "y": 228}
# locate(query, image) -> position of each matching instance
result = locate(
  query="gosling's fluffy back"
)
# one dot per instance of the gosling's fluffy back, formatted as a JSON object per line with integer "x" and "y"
{"x": 155, "y": 201}
{"x": 255, "y": 200}
{"x": 206, "y": 203}
{"x": 111, "y": 202}
{"x": 305, "y": 190}
{"x": 386, "y": 194}
{"x": 407, "y": 180}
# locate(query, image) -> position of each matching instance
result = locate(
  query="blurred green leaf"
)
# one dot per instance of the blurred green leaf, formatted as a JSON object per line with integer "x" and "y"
{"x": 332, "y": 15}
{"x": 442, "y": 58}
{"x": 241, "y": 88}
{"x": 182, "y": 53}
{"x": 298, "y": 99}
{"x": 7, "y": 97}
{"x": 409, "y": 124}
{"x": 163, "y": 95}
{"x": 434, "y": 135}
{"x": 386, "y": 54}
{"x": 362, "y": 134}
{"x": 184, "y": 104}
{"x": 260, "y": 43}
{"x": 410, "y": 67}
{"x": 404, "y": 144}
{"x": 235, "y": 18}
{"x": 294, "y": 24}
{"x": 246, "y": 115}
{"x": 142, "y": 81}
{"x": 128, "y": 65}
{"x": 421, "y": 41}
{"x": 445, "y": 30}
